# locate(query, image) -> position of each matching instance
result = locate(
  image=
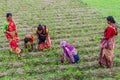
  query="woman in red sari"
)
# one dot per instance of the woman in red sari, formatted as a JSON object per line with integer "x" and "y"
{"x": 11, "y": 34}
{"x": 107, "y": 43}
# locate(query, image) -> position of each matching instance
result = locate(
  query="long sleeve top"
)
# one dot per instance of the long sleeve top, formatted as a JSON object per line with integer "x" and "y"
{"x": 110, "y": 32}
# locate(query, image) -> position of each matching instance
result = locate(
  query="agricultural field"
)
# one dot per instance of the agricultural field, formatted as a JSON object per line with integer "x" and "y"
{"x": 80, "y": 22}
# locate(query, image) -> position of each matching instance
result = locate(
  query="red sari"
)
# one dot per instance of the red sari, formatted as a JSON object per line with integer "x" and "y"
{"x": 107, "y": 46}
{"x": 11, "y": 32}
{"x": 12, "y": 36}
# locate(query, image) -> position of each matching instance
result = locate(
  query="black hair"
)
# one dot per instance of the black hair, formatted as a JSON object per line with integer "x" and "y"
{"x": 44, "y": 25}
{"x": 26, "y": 40}
{"x": 39, "y": 27}
{"x": 8, "y": 14}
{"x": 111, "y": 19}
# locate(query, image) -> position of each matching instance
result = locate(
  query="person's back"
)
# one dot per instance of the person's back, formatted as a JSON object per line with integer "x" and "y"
{"x": 29, "y": 39}
{"x": 70, "y": 53}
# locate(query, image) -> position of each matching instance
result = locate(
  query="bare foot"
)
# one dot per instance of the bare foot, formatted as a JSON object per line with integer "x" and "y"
{"x": 19, "y": 55}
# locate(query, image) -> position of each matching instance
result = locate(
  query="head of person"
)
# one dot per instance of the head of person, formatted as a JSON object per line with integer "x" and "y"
{"x": 110, "y": 20}
{"x": 39, "y": 28}
{"x": 44, "y": 25}
{"x": 63, "y": 44}
{"x": 26, "y": 40}
{"x": 9, "y": 16}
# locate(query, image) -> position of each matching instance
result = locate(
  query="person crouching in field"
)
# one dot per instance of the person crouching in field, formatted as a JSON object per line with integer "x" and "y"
{"x": 11, "y": 34}
{"x": 29, "y": 39}
{"x": 107, "y": 44}
{"x": 70, "y": 53}
{"x": 43, "y": 37}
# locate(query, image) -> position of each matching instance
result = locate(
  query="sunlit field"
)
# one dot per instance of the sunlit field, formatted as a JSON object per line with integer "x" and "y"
{"x": 80, "y": 22}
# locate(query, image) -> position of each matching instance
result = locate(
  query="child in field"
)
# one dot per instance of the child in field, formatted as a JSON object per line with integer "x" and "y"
{"x": 70, "y": 53}
{"x": 43, "y": 37}
{"x": 29, "y": 39}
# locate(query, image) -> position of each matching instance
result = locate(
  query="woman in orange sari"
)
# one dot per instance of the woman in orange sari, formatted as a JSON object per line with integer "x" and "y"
{"x": 43, "y": 37}
{"x": 107, "y": 44}
{"x": 11, "y": 34}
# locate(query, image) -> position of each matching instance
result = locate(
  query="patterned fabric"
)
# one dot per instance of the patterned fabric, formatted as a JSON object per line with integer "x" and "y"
{"x": 107, "y": 46}
{"x": 11, "y": 32}
{"x": 106, "y": 57}
{"x": 43, "y": 35}
{"x": 70, "y": 53}
{"x": 46, "y": 44}
{"x": 14, "y": 46}
{"x": 12, "y": 36}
